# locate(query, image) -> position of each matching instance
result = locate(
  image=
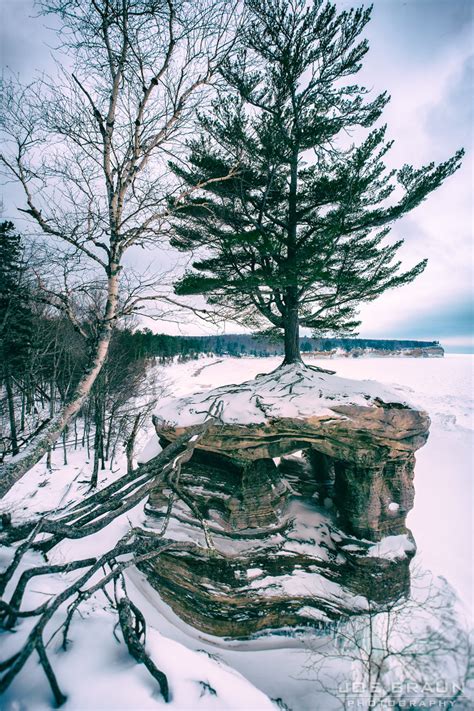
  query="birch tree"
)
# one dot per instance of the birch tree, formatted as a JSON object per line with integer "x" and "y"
{"x": 89, "y": 150}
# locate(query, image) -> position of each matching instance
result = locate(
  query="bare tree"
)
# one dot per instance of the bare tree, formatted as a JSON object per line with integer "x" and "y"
{"x": 411, "y": 653}
{"x": 90, "y": 149}
{"x": 103, "y": 573}
{"x": 122, "y": 400}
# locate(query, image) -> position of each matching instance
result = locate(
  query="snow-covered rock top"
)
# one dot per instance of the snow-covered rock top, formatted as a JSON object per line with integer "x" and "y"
{"x": 290, "y": 391}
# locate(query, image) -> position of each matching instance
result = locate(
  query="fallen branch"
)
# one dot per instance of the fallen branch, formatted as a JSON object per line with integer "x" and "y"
{"x": 6, "y": 576}
{"x": 101, "y": 508}
{"x": 136, "y": 547}
{"x": 135, "y": 551}
{"x": 133, "y": 626}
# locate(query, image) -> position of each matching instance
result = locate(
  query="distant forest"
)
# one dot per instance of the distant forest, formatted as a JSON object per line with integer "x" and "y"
{"x": 43, "y": 356}
{"x": 164, "y": 347}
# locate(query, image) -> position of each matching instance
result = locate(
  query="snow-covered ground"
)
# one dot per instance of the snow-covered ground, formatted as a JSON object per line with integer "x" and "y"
{"x": 97, "y": 673}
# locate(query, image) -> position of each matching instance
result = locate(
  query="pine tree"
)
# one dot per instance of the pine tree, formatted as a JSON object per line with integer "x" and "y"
{"x": 298, "y": 235}
{"x": 15, "y": 318}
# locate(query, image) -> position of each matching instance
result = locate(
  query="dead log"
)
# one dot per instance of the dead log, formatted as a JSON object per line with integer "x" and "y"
{"x": 136, "y": 547}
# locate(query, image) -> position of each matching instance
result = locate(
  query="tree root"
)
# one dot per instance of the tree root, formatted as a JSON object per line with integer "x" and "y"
{"x": 136, "y": 547}
{"x": 133, "y": 626}
{"x": 135, "y": 551}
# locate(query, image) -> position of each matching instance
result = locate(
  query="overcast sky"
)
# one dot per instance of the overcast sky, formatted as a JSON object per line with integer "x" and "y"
{"x": 422, "y": 53}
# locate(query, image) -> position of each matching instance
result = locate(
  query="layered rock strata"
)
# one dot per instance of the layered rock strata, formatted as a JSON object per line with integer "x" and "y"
{"x": 299, "y": 538}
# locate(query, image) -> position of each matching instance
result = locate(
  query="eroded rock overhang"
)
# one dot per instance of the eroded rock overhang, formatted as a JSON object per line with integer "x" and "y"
{"x": 298, "y": 539}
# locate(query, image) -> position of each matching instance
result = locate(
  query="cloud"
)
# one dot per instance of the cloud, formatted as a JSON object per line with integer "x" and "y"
{"x": 421, "y": 52}
{"x": 26, "y": 38}
{"x": 418, "y": 31}
{"x": 456, "y": 110}
{"x": 455, "y": 319}
{"x": 452, "y": 324}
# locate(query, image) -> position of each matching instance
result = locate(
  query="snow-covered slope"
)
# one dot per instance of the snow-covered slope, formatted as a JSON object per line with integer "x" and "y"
{"x": 96, "y": 671}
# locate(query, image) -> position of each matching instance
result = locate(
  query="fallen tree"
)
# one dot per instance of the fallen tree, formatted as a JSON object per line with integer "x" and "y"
{"x": 102, "y": 573}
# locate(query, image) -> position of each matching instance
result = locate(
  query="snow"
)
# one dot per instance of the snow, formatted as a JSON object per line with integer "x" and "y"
{"x": 392, "y": 547}
{"x": 150, "y": 450}
{"x": 291, "y": 391}
{"x": 97, "y": 673}
{"x": 39, "y": 492}
{"x": 303, "y": 584}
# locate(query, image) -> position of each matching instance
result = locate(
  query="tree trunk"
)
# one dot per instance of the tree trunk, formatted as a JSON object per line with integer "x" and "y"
{"x": 23, "y": 408}
{"x": 95, "y": 468}
{"x": 11, "y": 472}
{"x": 291, "y": 315}
{"x": 292, "y": 337}
{"x": 130, "y": 443}
{"x": 108, "y": 439}
{"x": 30, "y": 396}
{"x": 87, "y": 426}
{"x": 11, "y": 413}
{"x": 64, "y": 446}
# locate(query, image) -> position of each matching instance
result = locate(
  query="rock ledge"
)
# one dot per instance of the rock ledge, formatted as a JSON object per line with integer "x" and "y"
{"x": 306, "y": 481}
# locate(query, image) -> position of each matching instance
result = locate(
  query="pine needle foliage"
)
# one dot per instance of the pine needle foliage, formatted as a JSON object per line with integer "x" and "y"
{"x": 298, "y": 235}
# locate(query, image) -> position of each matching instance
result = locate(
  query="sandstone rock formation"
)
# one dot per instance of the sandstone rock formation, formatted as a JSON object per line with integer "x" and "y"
{"x": 297, "y": 538}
